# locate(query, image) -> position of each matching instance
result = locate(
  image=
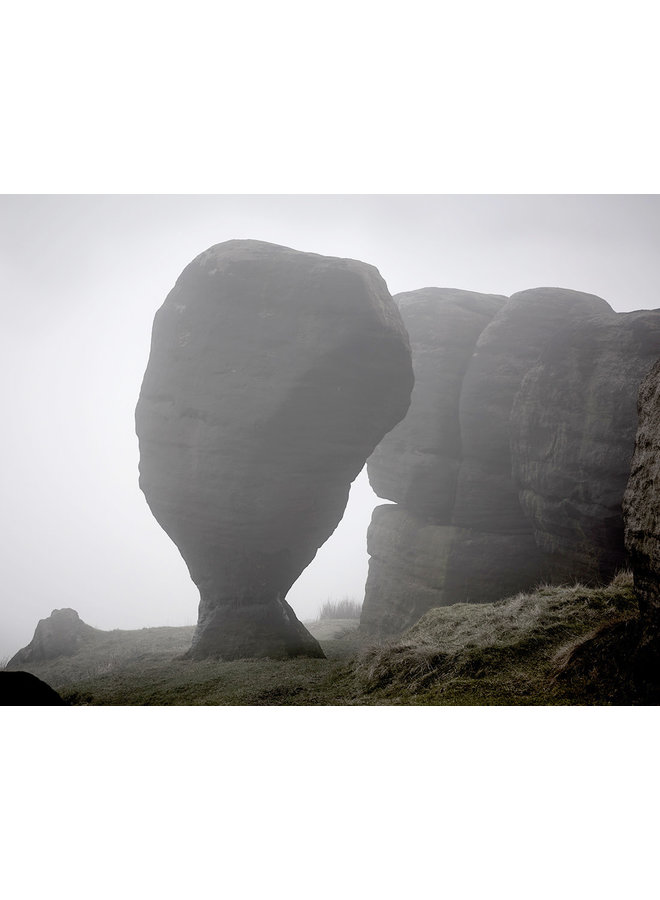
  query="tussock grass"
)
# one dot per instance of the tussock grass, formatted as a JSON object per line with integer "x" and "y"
{"x": 346, "y": 608}
{"x": 504, "y": 652}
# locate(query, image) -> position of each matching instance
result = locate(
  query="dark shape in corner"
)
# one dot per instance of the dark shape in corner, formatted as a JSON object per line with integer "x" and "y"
{"x": 25, "y": 689}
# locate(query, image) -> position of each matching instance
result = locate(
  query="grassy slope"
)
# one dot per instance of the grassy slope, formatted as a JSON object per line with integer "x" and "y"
{"x": 145, "y": 667}
{"x": 515, "y": 651}
{"x": 511, "y": 652}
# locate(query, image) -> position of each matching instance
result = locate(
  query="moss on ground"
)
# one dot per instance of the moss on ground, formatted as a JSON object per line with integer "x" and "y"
{"x": 534, "y": 648}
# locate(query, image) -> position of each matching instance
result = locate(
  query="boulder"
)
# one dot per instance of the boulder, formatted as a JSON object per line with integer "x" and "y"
{"x": 407, "y": 562}
{"x": 25, "y": 689}
{"x": 486, "y": 495}
{"x": 273, "y": 374}
{"x": 61, "y": 634}
{"x": 417, "y": 463}
{"x": 573, "y": 431}
{"x": 416, "y": 565}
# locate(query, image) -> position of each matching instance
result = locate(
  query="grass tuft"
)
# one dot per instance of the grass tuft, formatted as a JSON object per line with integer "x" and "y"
{"x": 346, "y": 608}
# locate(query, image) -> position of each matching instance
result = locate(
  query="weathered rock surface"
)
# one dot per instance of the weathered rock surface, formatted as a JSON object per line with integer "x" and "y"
{"x": 573, "y": 434}
{"x": 416, "y": 565}
{"x": 417, "y": 463}
{"x": 273, "y": 374}
{"x": 642, "y": 502}
{"x": 61, "y": 634}
{"x": 486, "y": 496}
{"x": 25, "y": 689}
{"x": 510, "y": 467}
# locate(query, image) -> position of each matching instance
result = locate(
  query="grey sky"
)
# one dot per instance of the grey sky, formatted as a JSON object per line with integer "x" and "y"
{"x": 81, "y": 278}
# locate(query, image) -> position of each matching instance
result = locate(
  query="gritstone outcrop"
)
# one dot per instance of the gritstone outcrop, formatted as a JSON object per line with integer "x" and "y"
{"x": 627, "y": 653}
{"x": 642, "y": 502}
{"x": 510, "y": 467}
{"x": 61, "y": 634}
{"x": 273, "y": 374}
{"x": 573, "y": 432}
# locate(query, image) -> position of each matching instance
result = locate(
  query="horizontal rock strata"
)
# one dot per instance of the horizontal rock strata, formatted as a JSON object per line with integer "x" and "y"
{"x": 642, "y": 502}
{"x": 573, "y": 431}
{"x": 510, "y": 467}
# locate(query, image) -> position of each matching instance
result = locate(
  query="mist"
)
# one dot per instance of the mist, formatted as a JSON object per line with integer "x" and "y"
{"x": 82, "y": 277}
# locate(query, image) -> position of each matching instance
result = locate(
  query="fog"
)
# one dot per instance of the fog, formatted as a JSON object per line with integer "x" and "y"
{"x": 81, "y": 279}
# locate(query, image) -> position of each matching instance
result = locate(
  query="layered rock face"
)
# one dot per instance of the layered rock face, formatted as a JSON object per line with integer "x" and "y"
{"x": 61, "y": 634}
{"x": 273, "y": 374}
{"x": 573, "y": 431}
{"x": 642, "y": 503}
{"x": 511, "y": 464}
{"x": 641, "y": 507}
{"x": 417, "y": 464}
{"x": 486, "y": 496}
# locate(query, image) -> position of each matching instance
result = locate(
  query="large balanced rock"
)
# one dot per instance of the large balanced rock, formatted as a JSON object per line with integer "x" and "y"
{"x": 273, "y": 374}
{"x": 642, "y": 502}
{"x": 573, "y": 434}
{"x": 510, "y": 467}
{"x": 61, "y": 634}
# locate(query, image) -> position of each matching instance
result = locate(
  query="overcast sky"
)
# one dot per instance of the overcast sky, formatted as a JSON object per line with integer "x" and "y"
{"x": 81, "y": 278}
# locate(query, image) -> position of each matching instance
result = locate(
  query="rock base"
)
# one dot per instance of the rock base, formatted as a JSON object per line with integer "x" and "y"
{"x": 257, "y": 630}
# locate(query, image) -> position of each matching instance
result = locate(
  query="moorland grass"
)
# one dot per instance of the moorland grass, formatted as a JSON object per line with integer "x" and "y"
{"x": 346, "y": 608}
{"x": 514, "y": 651}
{"x": 509, "y": 652}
